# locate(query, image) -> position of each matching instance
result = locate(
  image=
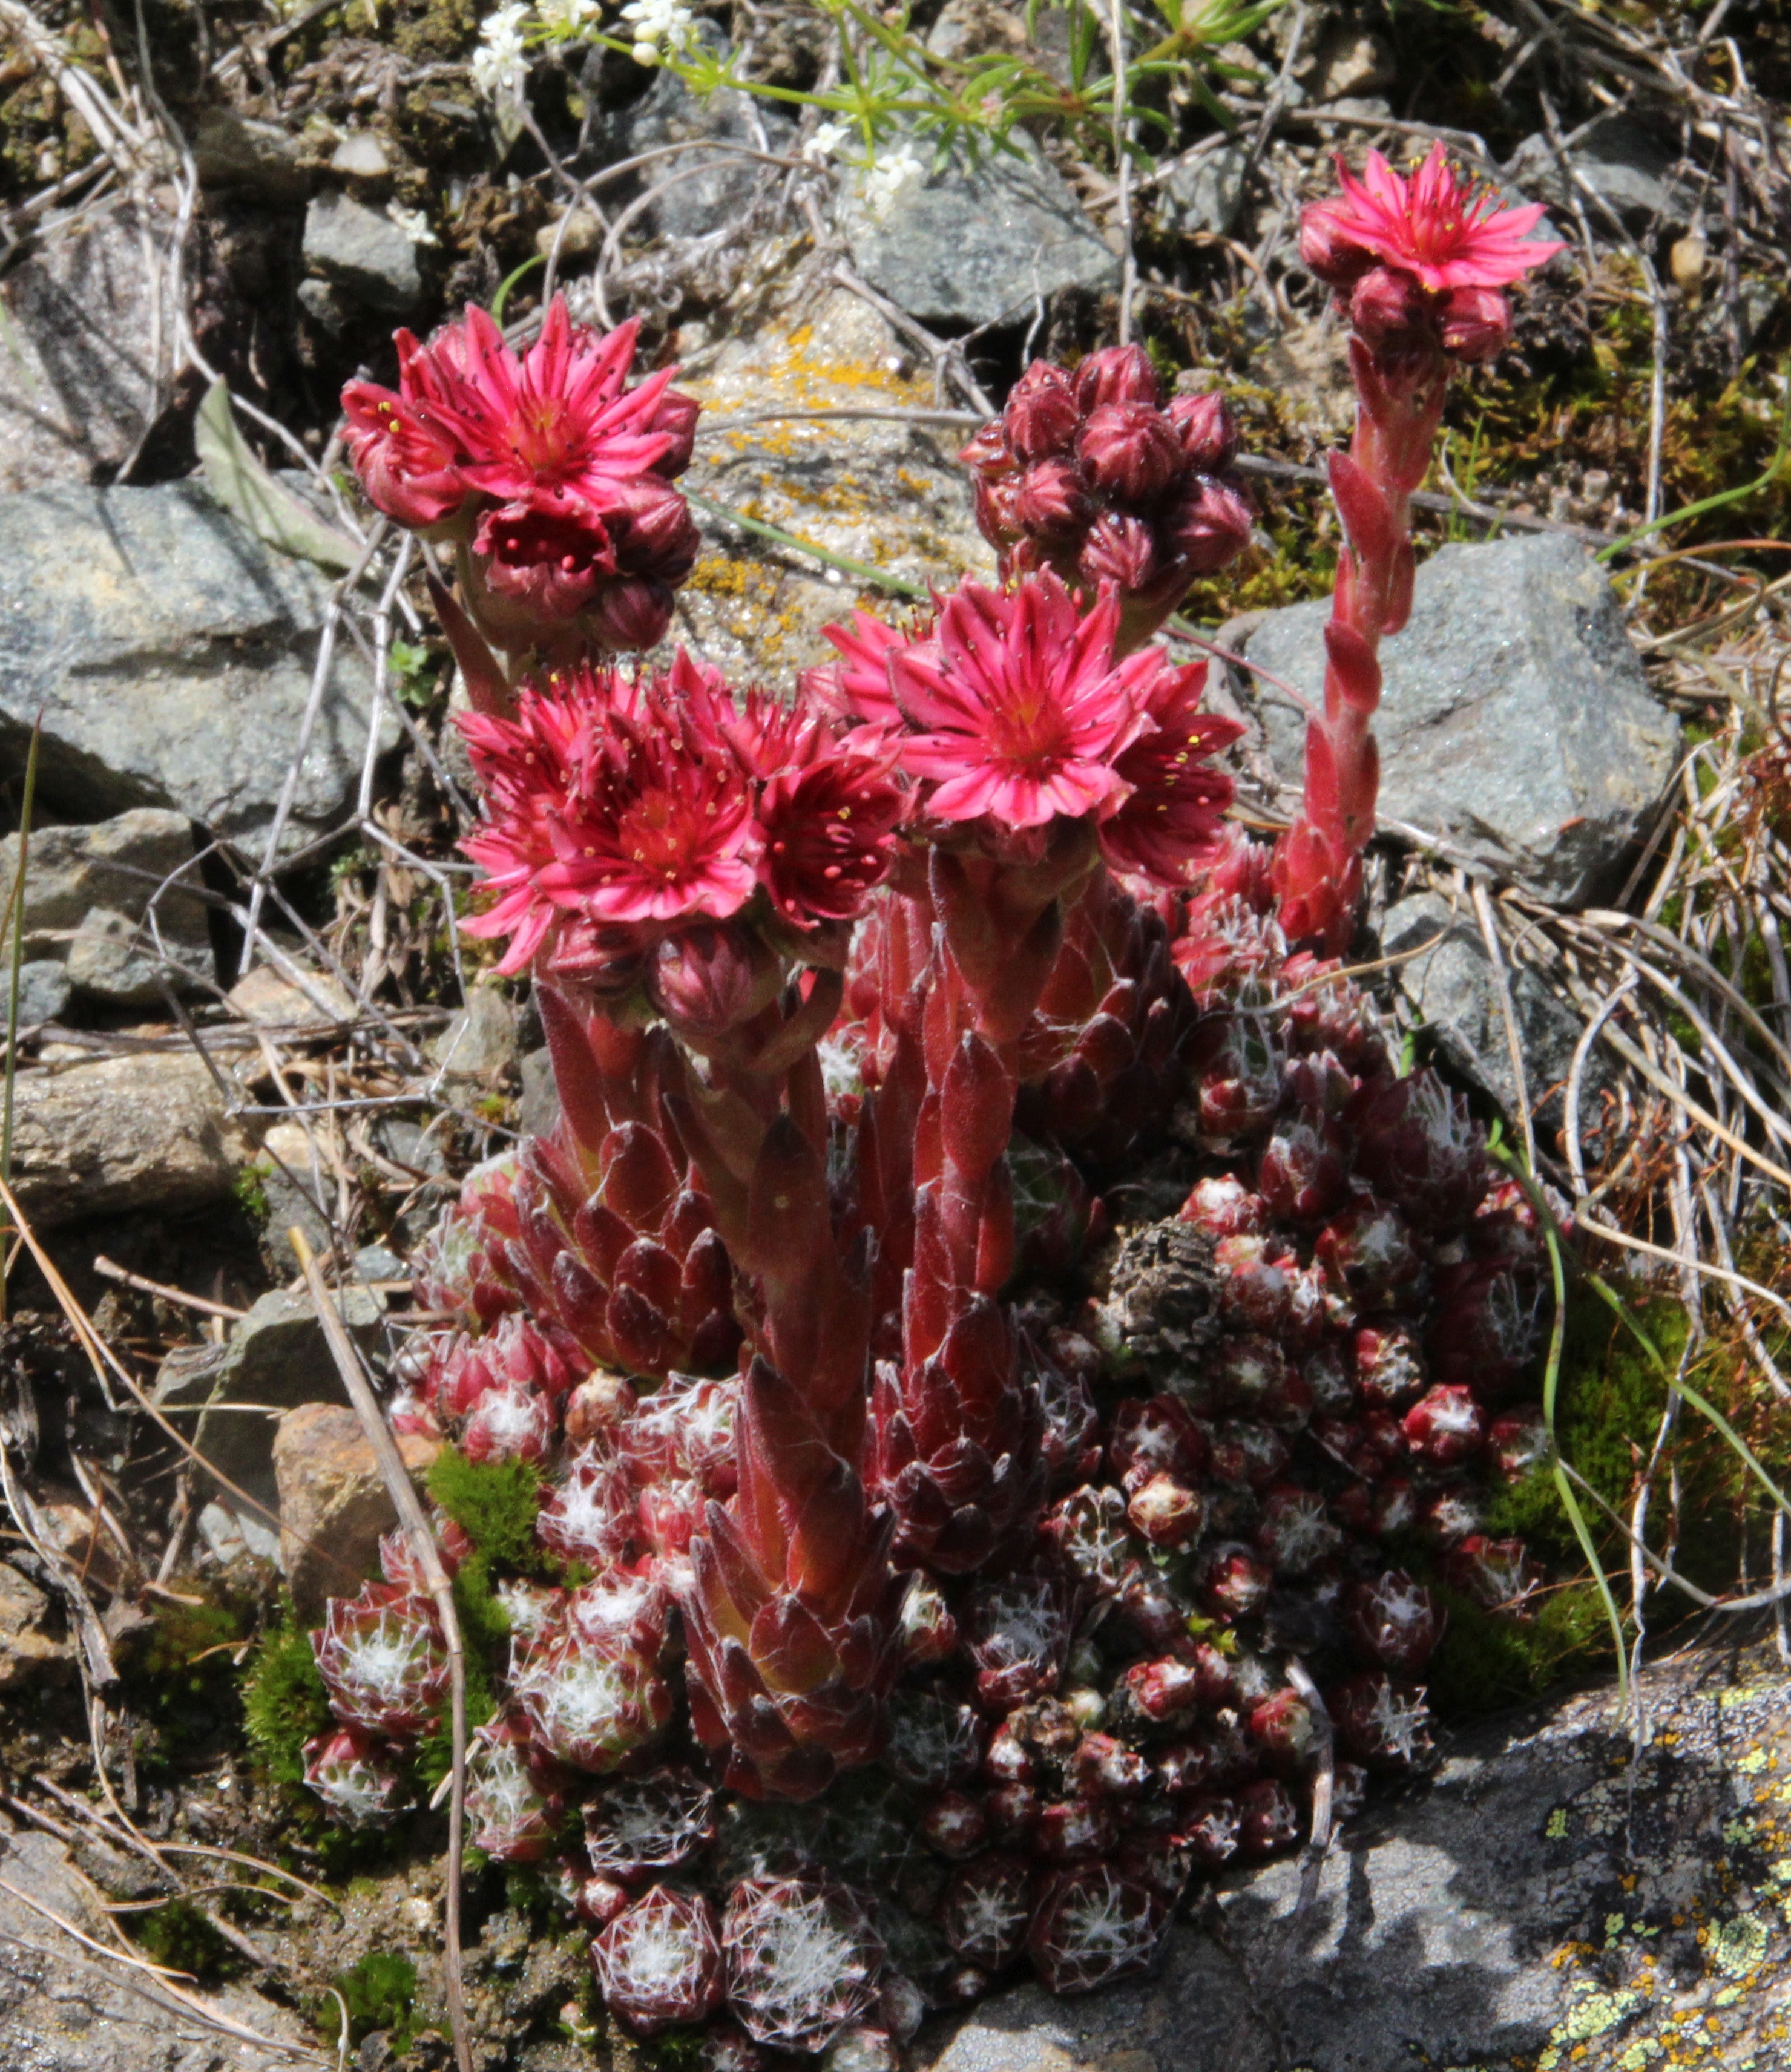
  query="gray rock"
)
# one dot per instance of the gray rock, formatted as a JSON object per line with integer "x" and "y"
{"x": 712, "y": 189}
{"x": 147, "y": 1131}
{"x": 299, "y": 1189}
{"x": 363, "y": 252}
{"x": 361, "y": 156}
{"x": 171, "y": 655}
{"x": 1547, "y": 1900}
{"x": 114, "y": 960}
{"x": 233, "y": 150}
{"x": 1627, "y": 163}
{"x": 880, "y": 491}
{"x": 976, "y": 244}
{"x": 64, "y": 2007}
{"x": 26, "y": 1651}
{"x": 278, "y": 1359}
{"x": 539, "y": 1108}
{"x": 1348, "y": 61}
{"x": 43, "y": 992}
{"x": 78, "y": 351}
{"x": 1207, "y": 194}
{"x": 118, "y": 866}
{"x": 1516, "y": 727}
{"x": 480, "y": 1042}
{"x": 1450, "y": 988}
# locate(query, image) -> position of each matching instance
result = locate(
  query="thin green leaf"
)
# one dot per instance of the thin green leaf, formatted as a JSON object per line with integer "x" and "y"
{"x": 264, "y": 503}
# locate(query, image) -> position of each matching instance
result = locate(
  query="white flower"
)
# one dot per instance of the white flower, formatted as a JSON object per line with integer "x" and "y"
{"x": 886, "y": 182}
{"x": 825, "y": 141}
{"x": 567, "y": 18}
{"x": 499, "y": 63}
{"x": 413, "y": 223}
{"x": 661, "y": 29}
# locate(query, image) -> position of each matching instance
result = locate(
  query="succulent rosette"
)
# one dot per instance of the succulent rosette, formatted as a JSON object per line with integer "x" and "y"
{"x": 925, "y": 1505}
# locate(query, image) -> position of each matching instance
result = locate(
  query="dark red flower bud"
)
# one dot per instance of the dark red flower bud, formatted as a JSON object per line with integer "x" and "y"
{"x": 1477, "y": 323}
{"x": 1496, "y": 1572}
{"x": 1042, "y": 413}
{"x": 1517, "y": 1442}
{"x": 1164, "y": 1689}
{"x": 1076, "y": 1830}
{"x": 1209, "y": 1830}
{"x": 1155, "y": 1435}
{"x": 1052, "y": 502}
{"x": 1328, "y": 249}
{"x": 1208, "y": 430}
{"x": 1167, "y": 1512}
{"x": 1237, "y": 1583}
{"x": 1283, "y": 1727}
{"x": 1296, "y": 1533}
{"x": 1390, "y": 312}
{"x": 1302, "y": 1175}
{"x": 1100, "y": 1767}
{"x": 1384, "y": 1725}
{"x": 1130, "y": 450}
{"x": 1255, "y": 1287}
{"x": 1119, "y": 549}
{"x": 1118, "y": 374}
{"x": 631, "y": 616}
{"x": 1209, "y": 524}
{"x": 1013, "y": 1811}
{"x": 1394, "y": 1622}
{"x": 986, "y": 1908}
{"x": 1390, "y": 1368}
{"x": 1267, "y": 1818}
{"x": 955, "y": 1823}
{"x": 1223, "y": 1206}
{"x": 1367, "y": 1249}
{"x": 1008, "y": 1760}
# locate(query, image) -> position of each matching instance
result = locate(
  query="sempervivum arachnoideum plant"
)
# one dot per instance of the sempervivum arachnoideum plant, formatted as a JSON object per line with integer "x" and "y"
{"x": 917, "y": 1576}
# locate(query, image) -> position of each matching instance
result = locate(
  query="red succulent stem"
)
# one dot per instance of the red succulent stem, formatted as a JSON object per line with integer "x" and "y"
{"x": 1400, "y": 394}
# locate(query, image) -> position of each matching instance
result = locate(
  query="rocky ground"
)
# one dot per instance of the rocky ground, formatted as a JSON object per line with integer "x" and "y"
{"x": 244, "y": 1004}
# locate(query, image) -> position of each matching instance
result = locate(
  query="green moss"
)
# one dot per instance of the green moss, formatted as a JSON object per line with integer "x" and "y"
{"x": 485, "y": 1628}
{"x": 495, "y": 1503}
{"x": 179, "y": 1936}
{"x": 674, "y": 2050}
{"x": 249, "y": 1185}
{"x": 283, "y": 1702}
{"x": 1489, "y": 1661}
{"x": 379, "y": 1992}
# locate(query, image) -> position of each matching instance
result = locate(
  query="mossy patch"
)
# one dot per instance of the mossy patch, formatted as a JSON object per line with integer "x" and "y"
{"x": 180, "y": 1937}
{"x": 379, "y": 1992}
{"x": 284, "y": 1702}
{"x": 494, "y": 1503}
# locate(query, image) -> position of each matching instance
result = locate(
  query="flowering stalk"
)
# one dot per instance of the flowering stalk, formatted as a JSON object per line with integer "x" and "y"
{"x": 1088, "y": 476}
{"x": 1418, "y": 265}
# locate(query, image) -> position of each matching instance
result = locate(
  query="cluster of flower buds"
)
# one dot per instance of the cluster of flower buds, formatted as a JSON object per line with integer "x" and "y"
{"x": 1088, "y": 474}
{"x": 551, "y": 478}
